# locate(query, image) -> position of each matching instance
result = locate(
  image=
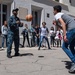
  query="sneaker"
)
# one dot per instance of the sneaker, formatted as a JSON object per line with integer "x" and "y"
{"x": 38, "y": 48}
{"x": 17, "y": 54}
{"x": 49, "y": 48}
{"x": 9, "y": 56}
{"x": 2, "y": 48}
{"x": 72, "y": 69}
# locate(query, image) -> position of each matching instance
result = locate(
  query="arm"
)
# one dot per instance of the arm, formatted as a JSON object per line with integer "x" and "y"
{"x": 2, "y": 29}
{"x": 64, "y": 29}
{"x": 11, "y": 22}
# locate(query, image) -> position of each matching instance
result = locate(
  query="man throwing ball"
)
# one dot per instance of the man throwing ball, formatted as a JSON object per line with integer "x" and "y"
{"x": 67, "y": 23}
{"x": 13, "y": 33}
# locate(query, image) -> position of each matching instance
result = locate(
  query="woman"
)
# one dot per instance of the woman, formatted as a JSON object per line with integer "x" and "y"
{"x": 4, "y": 31}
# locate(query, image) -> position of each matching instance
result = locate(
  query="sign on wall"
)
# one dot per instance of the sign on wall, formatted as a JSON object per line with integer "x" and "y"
{"x": 22, "y": 13}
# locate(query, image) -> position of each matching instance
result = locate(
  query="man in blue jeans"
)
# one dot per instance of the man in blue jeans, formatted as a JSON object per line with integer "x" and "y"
{"x": 67, "y": 23}
{"x": 44, "y": 35}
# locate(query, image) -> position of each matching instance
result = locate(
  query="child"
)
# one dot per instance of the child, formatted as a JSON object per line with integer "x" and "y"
{"x": 43, "y": 35}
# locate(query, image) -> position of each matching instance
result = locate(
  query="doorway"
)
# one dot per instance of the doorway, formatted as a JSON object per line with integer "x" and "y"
{"x": 36, "y": 13}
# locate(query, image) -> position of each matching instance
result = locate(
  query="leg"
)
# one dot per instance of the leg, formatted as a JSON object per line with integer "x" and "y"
{"x": 28, "y": 40}
{"x": 47, "y": 42}
{"x": 51, "y": 40}
{"x": 9, "y": 44}
{"x": 16, "y": 43}
{"x": 41, "y": 40}
{"x": 72, "y": 45}
{"x": 23, "y": 40}
{"x": 3, "y": 39}
{"x": 68, "y": 52}
{"x": 6, "y": 40}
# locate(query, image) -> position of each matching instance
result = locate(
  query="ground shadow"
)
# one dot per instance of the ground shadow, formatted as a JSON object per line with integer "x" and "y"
{"x": 25, "y": 54}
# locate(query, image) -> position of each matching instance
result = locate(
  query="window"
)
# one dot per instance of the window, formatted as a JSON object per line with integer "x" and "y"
{"x": 48, "y": 15}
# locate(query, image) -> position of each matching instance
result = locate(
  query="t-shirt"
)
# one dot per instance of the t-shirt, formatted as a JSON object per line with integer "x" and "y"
{"x": 69, "y": 21}
{"x": 44, "y": 31}
{"x": 52, "y": 33}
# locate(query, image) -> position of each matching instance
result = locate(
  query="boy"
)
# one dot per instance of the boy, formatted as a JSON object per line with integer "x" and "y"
{"x": 43, "y": 35}
{"x": 67, "y": 23}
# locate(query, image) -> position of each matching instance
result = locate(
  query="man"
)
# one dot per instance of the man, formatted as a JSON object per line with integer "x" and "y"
{"x": 44, "y": 35}
{"x": 13, "y": 33}
{"x": 25, "y": 35}
{"x": 67, "y": 23}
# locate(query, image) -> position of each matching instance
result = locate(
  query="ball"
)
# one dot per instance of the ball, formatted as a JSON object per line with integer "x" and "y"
{"x": 29, "y": 17}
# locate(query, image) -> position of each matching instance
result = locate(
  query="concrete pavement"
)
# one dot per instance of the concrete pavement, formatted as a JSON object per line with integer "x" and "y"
{"x": 34, "y": 62}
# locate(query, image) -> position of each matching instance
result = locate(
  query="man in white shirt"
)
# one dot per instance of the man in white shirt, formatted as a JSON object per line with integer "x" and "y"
{"x": 44, "y": 35}
{"x": 67, "y": 23}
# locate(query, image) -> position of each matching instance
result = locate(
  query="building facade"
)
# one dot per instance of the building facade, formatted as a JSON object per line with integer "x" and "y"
{"x": 42, "y": 10}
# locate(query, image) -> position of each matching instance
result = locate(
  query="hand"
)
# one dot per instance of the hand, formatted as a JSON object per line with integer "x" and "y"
{"x": 18, "y": 22}
{"x": 54, "y": 22}
{"x": 65, "y": 38}
{"x": 22, "y": 23}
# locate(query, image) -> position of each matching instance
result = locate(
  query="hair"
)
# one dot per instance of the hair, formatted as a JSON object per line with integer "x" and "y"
{"x": 52, "y": 28}
{"x": 44, "y": 23}
{"x": 58, "y": 8}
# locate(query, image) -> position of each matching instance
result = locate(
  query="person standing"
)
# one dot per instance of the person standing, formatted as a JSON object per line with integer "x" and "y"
{"x": 25, "y": 35}
{"x": 13, "y": 33}
{"x": 33, "y": 34}
{"x": 52, "y": 36}
{"x": 67, "y": 23}
{"x": 44, "y": 35}
{"x": 37, "y": 35}
{"x": 4, "y": 31}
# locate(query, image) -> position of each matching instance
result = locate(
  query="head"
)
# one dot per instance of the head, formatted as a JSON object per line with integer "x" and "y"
{"x": 52, "y": 28}
{"x": 57, "y": 9}
{"x": 5, "y": 23}
{"x": 36, "y": 26}
{"x": 43, "y": 24}
{"x": 15, "y": 11}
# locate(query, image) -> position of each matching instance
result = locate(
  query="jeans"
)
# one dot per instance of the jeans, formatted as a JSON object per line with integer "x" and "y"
{"x": 12, "y": 38}
{"x": 68, "y": 47}
{"x": 24, "y": 38}
{"x": 41, "y": 40}
{"x": 3, "y": 39}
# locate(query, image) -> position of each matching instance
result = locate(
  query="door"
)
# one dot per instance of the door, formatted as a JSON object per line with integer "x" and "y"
{"x": 36, "y": 17}
{"x": 4, "y": 13}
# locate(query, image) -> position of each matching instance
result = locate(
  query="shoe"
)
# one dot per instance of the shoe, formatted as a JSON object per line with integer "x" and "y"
{"x": 49, "y": 48}
{"x": 72, "y": 69}
{"x": 9, "y": 56}
{"x": 17, "y": 54}
{"x": 38, "y": 48}
{"x": 2, "y": 48}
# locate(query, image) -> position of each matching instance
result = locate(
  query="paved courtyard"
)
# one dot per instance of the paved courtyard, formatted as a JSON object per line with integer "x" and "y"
{"x": 34, "y": 62}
